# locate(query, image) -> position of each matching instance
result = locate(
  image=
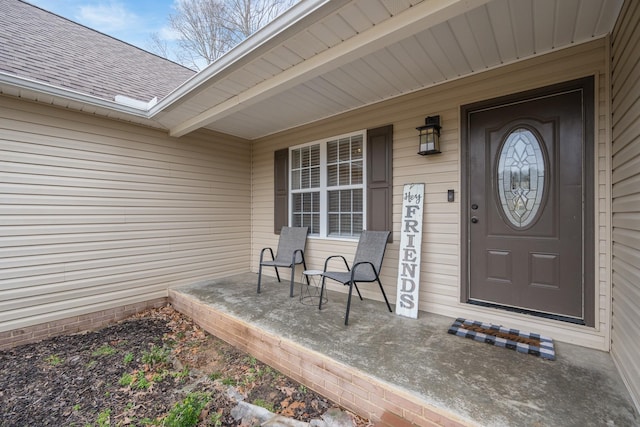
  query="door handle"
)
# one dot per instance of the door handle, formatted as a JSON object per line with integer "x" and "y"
{"x": 474, "y": 219}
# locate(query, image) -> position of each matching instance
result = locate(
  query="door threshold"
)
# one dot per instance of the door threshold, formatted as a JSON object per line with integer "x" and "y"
{"x": 549, "y": 316}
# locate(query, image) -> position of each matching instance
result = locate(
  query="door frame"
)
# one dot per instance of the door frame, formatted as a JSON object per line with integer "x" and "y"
{"x": 587, "y": 84}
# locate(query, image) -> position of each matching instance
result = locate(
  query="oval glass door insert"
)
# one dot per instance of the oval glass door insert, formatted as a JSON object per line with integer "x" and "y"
{"x": 521, "y": 177}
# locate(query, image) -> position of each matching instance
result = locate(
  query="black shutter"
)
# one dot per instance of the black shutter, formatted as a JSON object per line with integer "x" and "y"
{"x": 379, "y": 179}
{"x": 281, "y": 190}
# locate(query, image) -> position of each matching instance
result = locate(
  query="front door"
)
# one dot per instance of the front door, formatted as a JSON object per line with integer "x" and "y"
{"x": 528, "y": 209}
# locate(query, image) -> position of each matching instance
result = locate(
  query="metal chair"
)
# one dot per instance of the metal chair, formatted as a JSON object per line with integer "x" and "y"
{"x": 289, "y": 253}
{"x": 366, "y": 266}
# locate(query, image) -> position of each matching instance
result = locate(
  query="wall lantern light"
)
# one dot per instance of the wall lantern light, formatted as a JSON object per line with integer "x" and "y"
{"x": 429, "y": 136}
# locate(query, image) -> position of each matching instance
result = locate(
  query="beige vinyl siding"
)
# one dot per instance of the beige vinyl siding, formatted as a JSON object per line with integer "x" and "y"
{"x": 96, "y": 214}
{"x": 440, "y": 265}
{"x": 625, "y": 96}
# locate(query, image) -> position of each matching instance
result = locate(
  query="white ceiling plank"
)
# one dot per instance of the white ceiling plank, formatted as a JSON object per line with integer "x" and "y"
{"x": 312, "y": 43}
{"x": 245, "y": 78}
{"x": 355, "y": 18}
{"x": 433, "y": 50}
{"x": 277, "y": 60}
{"x": 262, "y": 69}
{"x": 467, "y": 42}
{"x": 544, "y": 18}
{"x": 341, "y": 28}
{"x": 396, "y": 6}
{"x": 325, "y": 100}
{"x": 587, "y": 20}
{"x": 610, "y": 11}
{"x": 485, "y": 40}
{"x": 379, "y": 88}
{"x": 287, "y": 56}
{"x": 410, "y": 54}
{"x": 324, "y": 86}
{"x": 393, "y": 72}
{"x": 451, "y": 48}
{"x": 345, "y": 82}
{"x": 522, "y": 18}
{"x": 502, "y": 29}
{"x": 566, "y": 22}
{"x": 211, "y": 94}
{"x": 373, "y": 10}
{"x": 325, "y": 35}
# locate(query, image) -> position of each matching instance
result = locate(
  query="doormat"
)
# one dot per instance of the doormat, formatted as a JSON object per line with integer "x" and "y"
{"x": 513, "y": 339}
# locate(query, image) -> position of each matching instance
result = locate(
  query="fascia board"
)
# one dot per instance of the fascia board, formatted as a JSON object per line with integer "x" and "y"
{"x": 250, "y": 48}
{"x": 69, "y": 95}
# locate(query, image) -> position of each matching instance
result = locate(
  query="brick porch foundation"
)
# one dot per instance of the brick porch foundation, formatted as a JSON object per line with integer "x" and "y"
{"x": 74, "y": 324}
{"x": 353, "y": 389}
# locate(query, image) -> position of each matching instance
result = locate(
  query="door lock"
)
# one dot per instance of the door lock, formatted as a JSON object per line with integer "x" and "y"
{"x": 474, "y": 207}
{"x": 474, "y": 219}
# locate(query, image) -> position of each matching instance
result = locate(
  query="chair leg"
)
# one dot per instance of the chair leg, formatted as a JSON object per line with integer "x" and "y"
{"x": 259, "y": 277}
{"x": 321, "y": 291}
{"x": 385, "y": 296}
{"x": 293, "y": 276}
{"x": 358, "y": 290}
{"x": 277, "y": 274}
{"x": 346, "y": 316}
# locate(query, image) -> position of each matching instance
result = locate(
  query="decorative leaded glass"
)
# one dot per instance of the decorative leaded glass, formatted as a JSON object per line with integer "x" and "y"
{"x": 521, "y": 177}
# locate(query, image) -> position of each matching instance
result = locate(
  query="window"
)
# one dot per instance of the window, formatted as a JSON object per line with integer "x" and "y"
{"x": 359, "y": 196}
{"x": 328, "y": 186}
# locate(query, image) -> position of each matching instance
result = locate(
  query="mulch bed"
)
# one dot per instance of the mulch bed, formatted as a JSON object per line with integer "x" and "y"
{"x": 139, "y": 372}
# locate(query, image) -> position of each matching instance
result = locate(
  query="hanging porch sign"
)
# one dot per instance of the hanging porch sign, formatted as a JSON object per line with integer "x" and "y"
{"x": 410, "y": 250}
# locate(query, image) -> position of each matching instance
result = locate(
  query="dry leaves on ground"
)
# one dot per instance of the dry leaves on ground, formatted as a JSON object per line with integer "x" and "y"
{"x": 157, "y": 368}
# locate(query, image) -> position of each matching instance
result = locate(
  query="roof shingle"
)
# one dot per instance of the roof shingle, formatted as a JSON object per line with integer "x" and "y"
{"x": 45, "y": 47}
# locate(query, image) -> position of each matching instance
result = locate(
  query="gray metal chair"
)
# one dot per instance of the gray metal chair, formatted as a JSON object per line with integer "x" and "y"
{"x": 366, "y": 266}
{"x": 289, "y": 253}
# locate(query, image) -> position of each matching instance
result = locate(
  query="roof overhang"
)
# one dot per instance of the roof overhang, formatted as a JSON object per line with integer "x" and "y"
{"x": 34, "y": 90}
{"x": 326, "y": 57}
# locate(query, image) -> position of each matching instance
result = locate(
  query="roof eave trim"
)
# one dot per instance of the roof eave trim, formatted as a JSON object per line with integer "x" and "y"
{"x": 69, "y": 95}
{"x": 249, "y": 46}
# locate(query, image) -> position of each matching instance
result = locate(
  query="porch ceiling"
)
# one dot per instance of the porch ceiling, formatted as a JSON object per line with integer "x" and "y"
{"x": 324, "y": 58}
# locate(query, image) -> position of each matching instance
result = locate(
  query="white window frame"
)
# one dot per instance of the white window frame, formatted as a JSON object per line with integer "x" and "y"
{"x": 324, "y": 190}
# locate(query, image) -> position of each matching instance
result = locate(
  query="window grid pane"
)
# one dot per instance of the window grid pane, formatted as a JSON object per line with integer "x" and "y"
{"x": 345, "y": 212}
{"x": 305, "y": 168}
{"x": 306, "y": 211}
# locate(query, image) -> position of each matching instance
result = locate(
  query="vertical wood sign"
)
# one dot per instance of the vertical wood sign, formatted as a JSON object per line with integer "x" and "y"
{"x": 410, "y": 250}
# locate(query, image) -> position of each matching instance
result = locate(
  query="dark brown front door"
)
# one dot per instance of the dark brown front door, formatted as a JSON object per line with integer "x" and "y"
{"x": 528, "y": 207}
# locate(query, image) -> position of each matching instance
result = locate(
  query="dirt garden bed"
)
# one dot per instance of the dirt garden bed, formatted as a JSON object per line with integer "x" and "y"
{"x": 157, "y": 368}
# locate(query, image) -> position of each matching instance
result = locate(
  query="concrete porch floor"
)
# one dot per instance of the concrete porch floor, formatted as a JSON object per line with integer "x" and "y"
{"x": 386, "y": 367}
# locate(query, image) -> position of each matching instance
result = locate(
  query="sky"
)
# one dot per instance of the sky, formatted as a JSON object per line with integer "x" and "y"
{"x": 132, "y": 21}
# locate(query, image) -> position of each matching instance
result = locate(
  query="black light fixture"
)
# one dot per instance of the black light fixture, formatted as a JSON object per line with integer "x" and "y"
{"x": 429, "y": 136}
